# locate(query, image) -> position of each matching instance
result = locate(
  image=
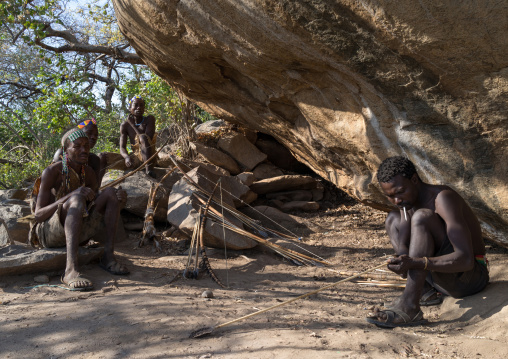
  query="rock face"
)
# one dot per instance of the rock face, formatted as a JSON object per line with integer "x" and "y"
{"x": 344, "y": 84}
{"x": 17, "y": 259}
{"x": 216, "y": 157}
{"x": 137, "y": 187}
{"x": 10, "y": 211}
{"x": 182, "y": 211}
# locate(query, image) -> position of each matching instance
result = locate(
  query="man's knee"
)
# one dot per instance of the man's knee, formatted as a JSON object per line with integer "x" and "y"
{"x": 392, "y": 220}
{"x": 144, "y": 142}
{"x": 110, "y": 194}
{"x": 77, "y": 201}
{"x": 423, "y": 216}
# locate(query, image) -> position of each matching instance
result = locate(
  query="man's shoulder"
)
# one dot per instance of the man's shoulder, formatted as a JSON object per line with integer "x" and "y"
{"x": 51, "y": 174}
{"x": 53, "y": 169}
{"x": 446, "y": 192}
{"x": 93, "y": 157}
{"x": 448, "y": 199}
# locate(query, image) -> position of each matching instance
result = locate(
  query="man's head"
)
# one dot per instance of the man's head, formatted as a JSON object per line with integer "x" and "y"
{"x": 399, "y": 181}
{"x": 137, "y": 106}
{"x": 89, "y": 127}
{"x": 76, "y": 145}
{"x": 393, "y": 166}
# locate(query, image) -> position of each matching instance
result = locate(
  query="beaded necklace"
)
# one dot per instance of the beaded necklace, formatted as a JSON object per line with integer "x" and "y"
{"x": 66, "y": 174}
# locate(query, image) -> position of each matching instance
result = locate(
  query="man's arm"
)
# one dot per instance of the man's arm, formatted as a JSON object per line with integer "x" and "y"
{"x": 150, "y": 126}
{"x": 45, "y": 206}
{"x": 95, "y": 163}
{"x": 450, "y": 207}
{"x": 404, "y": 234}
{"x": 123, "y": 141}
{"x": 123, "y": 144}
{"x": 91, "y": 179}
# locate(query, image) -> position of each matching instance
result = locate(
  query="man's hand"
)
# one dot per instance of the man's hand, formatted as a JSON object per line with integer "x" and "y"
{"x": 401, "y": 264}
{"x": 128, "y": 162}
{"x": 121, "y": 195}
{"x": 86, "y": 192}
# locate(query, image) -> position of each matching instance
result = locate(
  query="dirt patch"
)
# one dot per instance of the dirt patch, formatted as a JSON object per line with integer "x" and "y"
{"x": 148, "y": 315}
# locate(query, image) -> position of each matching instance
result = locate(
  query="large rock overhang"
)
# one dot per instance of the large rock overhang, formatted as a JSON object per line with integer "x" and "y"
{"x": 344, "y": 84}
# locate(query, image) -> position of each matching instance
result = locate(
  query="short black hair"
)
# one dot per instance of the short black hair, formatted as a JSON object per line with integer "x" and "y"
{"x": 393, "y": 166}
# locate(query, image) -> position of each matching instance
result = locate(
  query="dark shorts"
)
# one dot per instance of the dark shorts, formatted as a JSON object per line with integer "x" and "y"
{"x": 460, "y": 284}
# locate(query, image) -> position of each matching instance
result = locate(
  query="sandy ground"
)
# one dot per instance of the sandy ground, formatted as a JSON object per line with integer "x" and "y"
{"x": 146, "y": 315}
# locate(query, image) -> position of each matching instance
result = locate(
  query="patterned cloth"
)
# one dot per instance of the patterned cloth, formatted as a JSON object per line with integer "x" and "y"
{"x": 86, "y": 123}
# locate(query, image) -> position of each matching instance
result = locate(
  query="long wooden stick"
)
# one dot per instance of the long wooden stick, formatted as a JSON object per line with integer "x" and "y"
{"x": 206, "y": 331}
{"x": 300, "y": 297}
{"x": 275, "y": 247}
{"x": 376, "y": 276}
{"x": 110, "y": 184}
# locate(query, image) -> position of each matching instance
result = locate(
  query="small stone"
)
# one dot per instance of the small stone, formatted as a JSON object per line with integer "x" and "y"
{"x": 41, "y": 279}
{"x": 207, "y": 294}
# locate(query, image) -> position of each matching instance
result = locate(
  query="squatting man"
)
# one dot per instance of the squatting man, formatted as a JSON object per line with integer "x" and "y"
{"x": 437, "y": 240}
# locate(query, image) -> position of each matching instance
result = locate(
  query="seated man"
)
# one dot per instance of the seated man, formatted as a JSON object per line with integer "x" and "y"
{"x": 96, "y": 162}
{"x": 69, "y": 211}
{"x": 141, "y": 132}
{"x": 437, "y": 240}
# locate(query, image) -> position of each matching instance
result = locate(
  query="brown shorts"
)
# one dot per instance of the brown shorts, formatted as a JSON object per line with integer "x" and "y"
{"x": 459, "y": 284}
{"x": 51, "y": 233}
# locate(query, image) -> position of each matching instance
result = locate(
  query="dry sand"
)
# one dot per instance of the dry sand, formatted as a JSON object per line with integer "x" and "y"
{"x": 145, "y": 315}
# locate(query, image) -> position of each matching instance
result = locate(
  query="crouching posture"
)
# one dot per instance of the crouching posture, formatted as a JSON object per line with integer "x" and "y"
{"x": 69, "y": 211}
{"x": 437, "y": 240}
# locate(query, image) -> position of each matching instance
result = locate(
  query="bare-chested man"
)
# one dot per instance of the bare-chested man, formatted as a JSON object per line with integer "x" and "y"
{"x": 141, "y": 132}
{"x": 97, "y": 163}
{"x": 69, "y": 210}
{"x": 438, "y": 242}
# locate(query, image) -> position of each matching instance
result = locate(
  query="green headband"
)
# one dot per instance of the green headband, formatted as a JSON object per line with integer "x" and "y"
{"x": 76, "y": 134}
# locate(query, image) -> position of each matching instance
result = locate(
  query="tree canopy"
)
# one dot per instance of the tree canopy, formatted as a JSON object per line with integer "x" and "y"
{"x": 62, "y": 61}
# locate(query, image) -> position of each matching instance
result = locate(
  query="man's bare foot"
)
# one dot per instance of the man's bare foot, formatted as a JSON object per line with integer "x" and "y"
{"x": 395, "y": 317}
{"x": 114, "y": 267}
{"x": 75, "y": 281}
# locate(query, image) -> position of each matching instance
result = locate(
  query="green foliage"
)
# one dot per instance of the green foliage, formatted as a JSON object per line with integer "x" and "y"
{"x": 44, "y": 92}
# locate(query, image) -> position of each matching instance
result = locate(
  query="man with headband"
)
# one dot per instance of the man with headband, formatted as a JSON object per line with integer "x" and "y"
{"x": 97, "y": 163}
{"x": 437, "y": 240}
{"x": 141, "y": 132}
{"x": 69, "y": 211}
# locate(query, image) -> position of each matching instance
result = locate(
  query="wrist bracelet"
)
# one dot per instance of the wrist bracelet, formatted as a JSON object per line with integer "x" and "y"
{"x": 426, "y": 263}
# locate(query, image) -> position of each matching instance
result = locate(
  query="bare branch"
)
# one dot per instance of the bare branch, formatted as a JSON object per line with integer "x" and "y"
{"x": 15, "y": 37}
{"x": 22, "y": 120}
{"x": 74, "y": 45}
{"x": 20, "y": 85}
{"x": 17, "y": 135}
